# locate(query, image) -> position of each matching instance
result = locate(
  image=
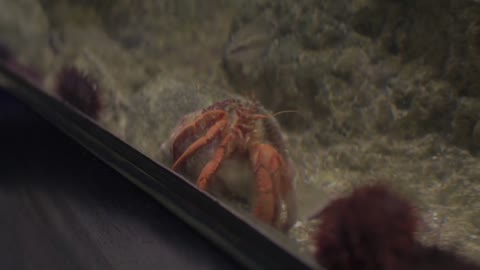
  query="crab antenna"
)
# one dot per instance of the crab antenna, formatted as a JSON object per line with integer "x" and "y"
{"x": 263, "y": 116}
{"x": 287, "y": 111}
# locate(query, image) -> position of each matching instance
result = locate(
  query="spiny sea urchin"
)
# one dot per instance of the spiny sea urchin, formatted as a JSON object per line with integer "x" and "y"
{"x": 373, "y": 229}
{"x": 79, "y": 90}
{"x": 362, "y": 230}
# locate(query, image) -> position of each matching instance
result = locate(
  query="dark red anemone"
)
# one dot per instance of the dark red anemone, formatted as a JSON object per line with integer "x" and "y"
{"x": 79, "y": 90}
{"x": 364, "y": 230}
{"x": 374, "y": 229}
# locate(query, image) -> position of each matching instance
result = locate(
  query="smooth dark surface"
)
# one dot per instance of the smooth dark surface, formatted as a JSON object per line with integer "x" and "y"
{"x": 61, "y": 208}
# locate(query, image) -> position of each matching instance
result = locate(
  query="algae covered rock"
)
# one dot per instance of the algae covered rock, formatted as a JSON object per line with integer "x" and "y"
{"x": 418, "y": 58}
{"x": 19, "y": 35}
{"x": 465, "y": 123}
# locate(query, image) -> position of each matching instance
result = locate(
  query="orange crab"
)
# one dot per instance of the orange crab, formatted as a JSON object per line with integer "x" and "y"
{"x": 235, "y": 146}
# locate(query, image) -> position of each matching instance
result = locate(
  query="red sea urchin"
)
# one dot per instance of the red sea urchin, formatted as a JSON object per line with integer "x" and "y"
{"x": 371, "y": 229}
{"x": 79, "y": 90}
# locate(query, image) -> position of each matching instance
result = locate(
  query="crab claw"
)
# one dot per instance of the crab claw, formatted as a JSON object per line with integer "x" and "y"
{"x": 274, "y": 187}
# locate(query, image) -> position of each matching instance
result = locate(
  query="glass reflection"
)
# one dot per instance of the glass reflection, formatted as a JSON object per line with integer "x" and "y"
{"x": 381, "y": 91}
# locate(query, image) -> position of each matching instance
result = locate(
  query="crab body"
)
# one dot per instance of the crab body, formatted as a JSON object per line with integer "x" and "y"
{"x": 235, "y": 147}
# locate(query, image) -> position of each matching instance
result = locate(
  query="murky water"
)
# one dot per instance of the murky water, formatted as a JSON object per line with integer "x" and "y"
{"x": 381, "y": 91}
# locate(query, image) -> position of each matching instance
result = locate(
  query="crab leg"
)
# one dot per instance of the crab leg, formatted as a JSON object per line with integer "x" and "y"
{"x": 209, "y": 135}
{"x": 225, "y": 149}
{"x": 268, "y": 164}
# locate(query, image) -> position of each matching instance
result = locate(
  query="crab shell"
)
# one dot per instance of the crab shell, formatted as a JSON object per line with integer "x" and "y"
{"x": 236, "y": 177}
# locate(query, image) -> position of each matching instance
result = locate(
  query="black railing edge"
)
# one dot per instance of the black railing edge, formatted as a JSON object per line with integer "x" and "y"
{"x": 246, "y": 243}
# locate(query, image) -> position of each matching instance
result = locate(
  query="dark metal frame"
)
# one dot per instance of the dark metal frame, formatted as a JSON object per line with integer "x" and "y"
{"x": 236, "y": 236}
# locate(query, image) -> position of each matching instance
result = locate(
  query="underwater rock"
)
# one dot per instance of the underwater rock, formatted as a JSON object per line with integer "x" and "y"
{"x": 465, "y": 130}
{"x": 294, "y": 61}
{"x": 369, "y": 20}
{"x": 20, "y": 35}
{"x": 349, "y": 66}
{"x": 473, "y": 36}
{"x": 433, "y": 65}
{"x": 164, "y": 100}
{"x": 476, "y": 136}
{"x": 245, "y": 53}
